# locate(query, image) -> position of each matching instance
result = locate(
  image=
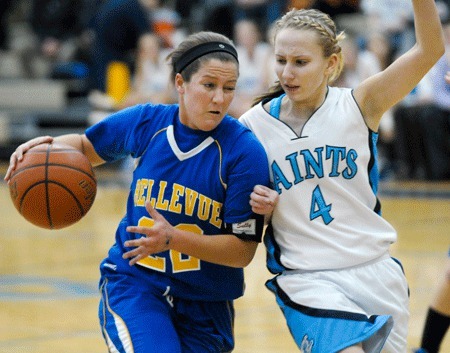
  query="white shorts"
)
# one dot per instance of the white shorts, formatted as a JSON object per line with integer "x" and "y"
{"x": 327, "y": 311}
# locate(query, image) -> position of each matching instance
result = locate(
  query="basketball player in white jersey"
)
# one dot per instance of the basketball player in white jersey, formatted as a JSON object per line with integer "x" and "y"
{"x": 327, "y": 243}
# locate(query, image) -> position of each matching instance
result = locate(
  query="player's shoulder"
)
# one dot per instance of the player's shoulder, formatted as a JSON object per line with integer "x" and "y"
{"x": 234, "y": 128}
{"x": 341, "y": 94}
{"x": 231, "y": 126}
{"x": 146, "y": 111}
{"x": 342, "y": 99}
{"x": 150, "y": 117}
{"x": 232, "y": 134}
{"x": 338, "y": 93}
{"x": 161, "y": 110}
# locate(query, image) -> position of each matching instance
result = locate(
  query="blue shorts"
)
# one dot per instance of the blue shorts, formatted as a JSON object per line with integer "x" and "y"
{"x": 138, "y": 316}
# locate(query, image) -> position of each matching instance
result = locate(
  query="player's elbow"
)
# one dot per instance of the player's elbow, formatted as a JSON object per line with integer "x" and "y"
{"x": 246, "y": 254}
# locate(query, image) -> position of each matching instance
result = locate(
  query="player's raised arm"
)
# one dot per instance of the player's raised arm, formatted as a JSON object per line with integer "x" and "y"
{"x": 380, "y": 92}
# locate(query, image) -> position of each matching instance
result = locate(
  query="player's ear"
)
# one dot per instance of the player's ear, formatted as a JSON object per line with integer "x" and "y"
{"x": 333, "y": 61}
{"x": 179, "y": 83}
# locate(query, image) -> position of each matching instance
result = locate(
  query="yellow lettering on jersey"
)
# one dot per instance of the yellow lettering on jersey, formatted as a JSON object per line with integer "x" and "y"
{"x": 161, "y": 203}
{"x": 183, "y": 263}
{"x": 215, "y": 214}
{"x": 207, "y": 208}
{"x": 150, "y": 183}
{"x": 154, "y": 262}
{"x": 204, "y": 206}
{"x": 141, "y": 185}
{"x": 175, "y": 206}
{"x": 189, "y": 203}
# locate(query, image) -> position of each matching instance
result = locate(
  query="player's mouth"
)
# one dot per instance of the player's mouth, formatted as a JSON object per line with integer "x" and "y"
{"x": 290, "y": 88}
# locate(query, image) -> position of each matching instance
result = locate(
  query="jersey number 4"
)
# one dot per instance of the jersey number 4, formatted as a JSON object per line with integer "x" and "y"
{"x": 319, "y": 208}
{"x": 180, "y": 262}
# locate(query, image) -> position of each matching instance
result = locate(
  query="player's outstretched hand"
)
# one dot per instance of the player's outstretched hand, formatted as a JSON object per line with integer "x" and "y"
{"x": 447, "y": 77}
{"x": 17, "y": 155}
{"x": 156, "y": 237}
{"x": 263, "y": 200}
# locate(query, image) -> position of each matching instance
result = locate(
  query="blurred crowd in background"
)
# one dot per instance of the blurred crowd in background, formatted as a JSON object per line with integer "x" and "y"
{"x": 111, "y": 54}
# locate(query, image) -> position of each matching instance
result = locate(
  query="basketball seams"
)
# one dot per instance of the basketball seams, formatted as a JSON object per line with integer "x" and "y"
{"x": 18, "y": 171}
{"x": 47, "y": 195}
{"x": 74, "y": 168}
{"x": 58, "y": 150}
{"x": 49, "y": 182}
{"x": 80, "y": 206}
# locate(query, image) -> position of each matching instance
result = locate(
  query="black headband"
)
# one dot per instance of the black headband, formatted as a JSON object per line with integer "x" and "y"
{"x": 202, "y": 49}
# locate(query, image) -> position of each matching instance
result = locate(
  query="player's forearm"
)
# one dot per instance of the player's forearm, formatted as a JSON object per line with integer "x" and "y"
{"x": 429, "y": 34}
{"x": 81, "y": 143}
{"x": 225, "y": 249}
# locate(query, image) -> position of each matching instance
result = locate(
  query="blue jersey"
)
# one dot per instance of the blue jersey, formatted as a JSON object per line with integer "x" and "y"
{"x": 199, "y": 181}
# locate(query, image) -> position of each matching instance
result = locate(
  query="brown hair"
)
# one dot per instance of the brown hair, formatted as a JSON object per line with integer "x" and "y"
{"x": 195, "y": 40}
{"x": 324, "y": 26}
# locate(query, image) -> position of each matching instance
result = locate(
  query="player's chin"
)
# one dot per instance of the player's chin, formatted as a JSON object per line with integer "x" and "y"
{"x": 211, "y": 123}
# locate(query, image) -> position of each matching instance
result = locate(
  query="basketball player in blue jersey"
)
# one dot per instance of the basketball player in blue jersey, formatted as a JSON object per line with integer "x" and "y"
{"x": 327, "y": 244}
{"x": 169, "y": 281}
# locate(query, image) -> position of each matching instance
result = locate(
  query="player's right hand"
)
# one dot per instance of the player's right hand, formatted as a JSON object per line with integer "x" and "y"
{"x": 157, "y": 238}
{"x": 17, "y": 155}
{"x": 263, "y": 200}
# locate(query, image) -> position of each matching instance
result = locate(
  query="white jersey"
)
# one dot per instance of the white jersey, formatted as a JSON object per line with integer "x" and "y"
{"x": 328, "y": 216}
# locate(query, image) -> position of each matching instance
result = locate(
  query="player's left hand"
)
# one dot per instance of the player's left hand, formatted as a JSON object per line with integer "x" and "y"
{"x": 263, "y": 200}
{"x": 157, "y": 237}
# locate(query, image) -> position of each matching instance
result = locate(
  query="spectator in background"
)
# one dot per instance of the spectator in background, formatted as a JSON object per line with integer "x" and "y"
{"x": 185, "y": 10}
{"x": 252, "y": 51}
{"x": 334, "y": 8}
{"x": 436, "y": 129}
{"x": 300, "y": 4}
{"x": 359, "y": 64}
{"x": 422, "y": 125}
{"x": 58, "y": 33}
{"x": 218, "y": 16}
{"x": 408, "y": 145}
{"x": 263, "y": 12}
{"x": 268, "y": 74}
{"x": 378, "y": 45}
{"x": 393, "y": 17}
{"x": 151, "y": 81}
{"x": 5, "y": 6}
{"x": 165, "y": 23}
{"x": 117, "y": 27}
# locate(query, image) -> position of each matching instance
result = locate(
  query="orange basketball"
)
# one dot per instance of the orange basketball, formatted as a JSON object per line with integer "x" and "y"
{"x": 54, "y": 186}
